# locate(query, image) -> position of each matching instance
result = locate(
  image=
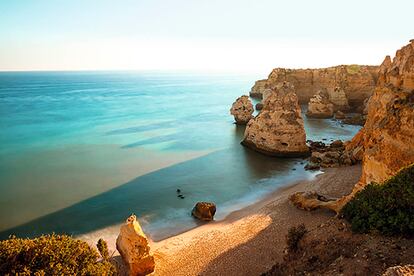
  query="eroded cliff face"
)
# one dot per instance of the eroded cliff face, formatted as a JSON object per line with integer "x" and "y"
{"x": 278, "y": 129}
{"x": 388, "y": 134}
{"x": 258, "y": 88}
{"x": 357, "y": 81}
{"x": 319, "y": 106}
{"x": 386, "y": 142}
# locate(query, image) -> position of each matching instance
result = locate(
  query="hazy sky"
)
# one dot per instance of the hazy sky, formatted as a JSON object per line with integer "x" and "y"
{"x": 222, "y": 35}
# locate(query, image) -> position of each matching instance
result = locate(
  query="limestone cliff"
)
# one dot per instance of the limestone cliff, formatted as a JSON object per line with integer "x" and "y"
{"x": 388, "y": 134}
{"x": 386, "y": 142}
{"x": 357, "y": 81}
{"x": 257, "y": 89}
{"x": 319, "y": 106}
{"x": 278, "y": 129}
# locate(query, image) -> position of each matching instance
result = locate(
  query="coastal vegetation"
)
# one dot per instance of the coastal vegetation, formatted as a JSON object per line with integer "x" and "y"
{"x": 295, "y": 235}
{"x": 51, "y": 255}
{"x": 387, "y": 208}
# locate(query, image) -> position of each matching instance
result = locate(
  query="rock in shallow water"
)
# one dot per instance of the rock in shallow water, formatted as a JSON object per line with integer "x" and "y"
{"x": 259, "y": 106}
{"x": 278, "y": 129}
{"x": 133, "y": 246}
{"x": 242, "y": 110}
{"x": 204, "y": 211}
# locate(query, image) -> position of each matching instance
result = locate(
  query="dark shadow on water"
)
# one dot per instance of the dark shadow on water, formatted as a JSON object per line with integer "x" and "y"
{"x": 221, "y": 176}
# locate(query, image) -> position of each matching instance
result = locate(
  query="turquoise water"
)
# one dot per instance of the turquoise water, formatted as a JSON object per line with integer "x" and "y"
{"x": 80, "y": 151}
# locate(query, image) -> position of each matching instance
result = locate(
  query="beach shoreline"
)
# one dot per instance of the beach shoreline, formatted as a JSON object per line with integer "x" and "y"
{"x": 247, "y": 241}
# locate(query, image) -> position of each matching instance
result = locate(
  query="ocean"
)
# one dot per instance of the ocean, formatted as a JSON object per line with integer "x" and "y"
{"x": 81, "y": 151}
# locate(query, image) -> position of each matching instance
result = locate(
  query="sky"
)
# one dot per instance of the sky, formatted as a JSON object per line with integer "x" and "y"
{"x": 210, "y": 35}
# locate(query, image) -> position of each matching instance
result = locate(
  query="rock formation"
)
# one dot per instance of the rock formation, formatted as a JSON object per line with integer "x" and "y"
{"x": 259, "y": 106}
{"x": 338, "y": 98}
{"x": 356, "y": 81}
{"x": 204, "y": 211}
{"x": 278, "y": 129}
{"x": 242, "y": 110}
{"x": 356, "y": 119}
{"x": 406, "y": 270}
{"x": 319, "y": 106}
{"x": 333, "y": 155}
{"x": 132, "y": 244}
{"x": 386, "y": 142}
{"x": 257, "y": 89}
{"x": 339, "y": 115}
{"x": 365, "y": 107}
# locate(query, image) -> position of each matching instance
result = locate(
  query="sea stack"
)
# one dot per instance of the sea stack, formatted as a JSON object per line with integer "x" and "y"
{"x": 278, "y": 130}
{"x": 242, "y": 110}
{"x": 133, "y": 246}
{"x": 319, "y": 106}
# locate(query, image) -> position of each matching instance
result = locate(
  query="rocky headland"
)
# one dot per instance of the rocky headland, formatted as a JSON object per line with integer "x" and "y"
{"x": 386, "y": 142}
{"x": 357, "y": 82}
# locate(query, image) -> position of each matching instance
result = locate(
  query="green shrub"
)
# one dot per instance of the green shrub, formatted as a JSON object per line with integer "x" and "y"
{"x": 103, "y": 249}
{"x": 386, "y": 208}
{"x": 295, "y": 234}
{"x": 353, "y": 69}
{"x": 50, "y": 255}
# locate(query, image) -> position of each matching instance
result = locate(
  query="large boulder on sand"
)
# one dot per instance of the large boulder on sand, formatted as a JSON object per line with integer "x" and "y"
{"x": 319, "y": 106}
{"x": 242, "y": 110}
{"x": 132, "y": 244}
{"x": 204, "y": 211}
{"x": 278, "y": 130}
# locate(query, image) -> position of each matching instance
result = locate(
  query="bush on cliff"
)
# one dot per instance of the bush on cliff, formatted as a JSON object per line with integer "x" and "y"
{"x": 386, "y": 208}
{"x": 51, "y": 255}
{"x": 294, "y": 236}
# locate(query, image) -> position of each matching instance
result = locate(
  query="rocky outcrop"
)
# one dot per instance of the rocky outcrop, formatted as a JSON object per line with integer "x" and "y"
{"x": 339, "y": 115}
{"x": 259, "y": 106}
{"x": 406, "y": 270}
{"x": 357, "y": 119}
{"x": 319, "y": 106}
{"x": 133, "y": 246}
{"x": 356, "y": 81}
{"x": 338, "y": 98}
{"x": 389, "y": 130}
{"x": 365, "y": 107}
{"x": 333, "y": 155}
{"x": 278, "y": 130}
{"x": 204, "y": 211}
{"x": 242, "y": 110}
{"x": 386, "y": 142}
{"x": 258, "y": 88}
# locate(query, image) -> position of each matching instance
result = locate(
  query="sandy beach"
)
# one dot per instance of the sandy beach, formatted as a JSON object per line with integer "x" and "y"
{"x": 246, "y": 242}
